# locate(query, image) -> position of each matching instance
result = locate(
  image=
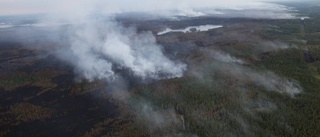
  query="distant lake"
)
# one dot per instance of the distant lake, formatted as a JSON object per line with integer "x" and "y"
{"x": 4, "y": 25}
{"x": 191, "y": 29}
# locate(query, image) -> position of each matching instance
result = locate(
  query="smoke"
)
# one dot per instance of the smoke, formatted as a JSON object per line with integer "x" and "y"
{"x": 103, "y": 49}
{"x": 158, "y": 120}
{"x": 268, "y": 80}
{"x": 226, "y": 58}
{"x": 74, "y": 9}
{"x": 245, "y": 84}
{"x": 231, "y": 66}
{"x": 243, "y": 75}
{"x": 99, "y": 49}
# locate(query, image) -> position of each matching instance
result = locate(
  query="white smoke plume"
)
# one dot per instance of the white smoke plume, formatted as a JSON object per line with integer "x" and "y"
{"x": 99, "y": 49}
{"x": 226, "y": 58}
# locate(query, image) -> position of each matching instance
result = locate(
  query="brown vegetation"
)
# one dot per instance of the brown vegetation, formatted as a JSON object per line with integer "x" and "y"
{"x": 26, "y": 112}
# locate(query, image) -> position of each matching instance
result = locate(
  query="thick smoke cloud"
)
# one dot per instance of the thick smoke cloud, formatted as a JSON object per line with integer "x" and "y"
{"x": 100, "y": 49}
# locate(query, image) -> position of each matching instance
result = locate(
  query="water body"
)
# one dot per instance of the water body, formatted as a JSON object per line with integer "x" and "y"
{"x": 4, "y": 25}
{"x": 191, "y": 29}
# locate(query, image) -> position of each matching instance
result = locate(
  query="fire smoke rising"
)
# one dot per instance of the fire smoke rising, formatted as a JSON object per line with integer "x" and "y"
{"x": 100, "y": 49}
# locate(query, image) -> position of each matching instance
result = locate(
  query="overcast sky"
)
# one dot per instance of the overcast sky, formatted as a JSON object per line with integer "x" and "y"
{"x": 14, "y": 7}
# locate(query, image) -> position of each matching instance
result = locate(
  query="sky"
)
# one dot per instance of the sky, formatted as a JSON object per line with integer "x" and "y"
{"x": 78, "y": 7}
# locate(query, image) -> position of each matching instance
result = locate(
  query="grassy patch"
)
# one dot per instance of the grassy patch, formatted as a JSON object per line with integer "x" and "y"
{"x": 19, "y": 79}
{"x": 25, "y": 112}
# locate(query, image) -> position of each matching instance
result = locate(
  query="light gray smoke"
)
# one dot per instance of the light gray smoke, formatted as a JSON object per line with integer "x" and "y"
{"x": 226, "y": 58}
{"x": 269, "y": 80}
{"x": 99, "y": 49}
{"x": 76, "y": 8}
